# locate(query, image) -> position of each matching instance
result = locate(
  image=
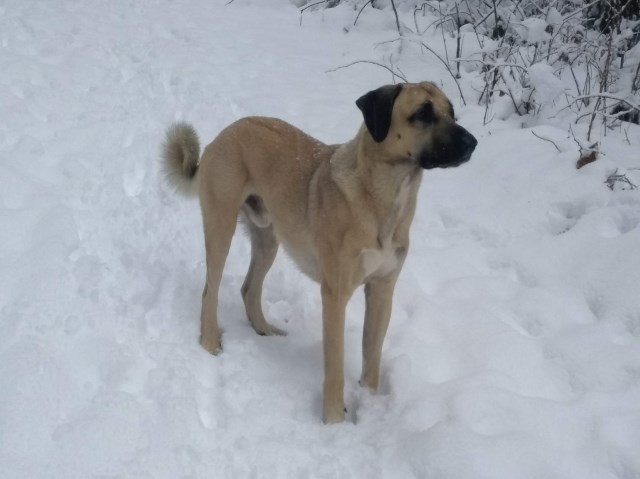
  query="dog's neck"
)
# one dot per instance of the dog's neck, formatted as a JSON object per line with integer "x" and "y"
{"x": 376, "y": 169}
{"x": 388, "y": 186}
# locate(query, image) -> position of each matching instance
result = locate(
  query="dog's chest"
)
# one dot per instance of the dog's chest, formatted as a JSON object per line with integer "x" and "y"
{"x": 379, "y": 262}
{"x": 385, "y": 259}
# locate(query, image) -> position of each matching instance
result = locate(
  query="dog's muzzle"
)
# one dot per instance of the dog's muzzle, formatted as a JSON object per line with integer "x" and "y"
{"x": 467, "y": 144}
{"x": 455, "y": 151}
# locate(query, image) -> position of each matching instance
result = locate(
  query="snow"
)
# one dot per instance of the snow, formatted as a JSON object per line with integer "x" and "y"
{"x": 548, "y": 87}
{"x": 514, "y": 345}
{"x": 534, "y": 30}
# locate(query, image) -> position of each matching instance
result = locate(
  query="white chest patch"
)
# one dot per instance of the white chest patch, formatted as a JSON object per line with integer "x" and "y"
{"x": 378, "y": 262}
{"x": 382, "y": 261}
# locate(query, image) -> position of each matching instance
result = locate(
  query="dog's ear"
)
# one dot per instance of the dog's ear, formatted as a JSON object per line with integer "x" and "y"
{"x": 376, "y": 107}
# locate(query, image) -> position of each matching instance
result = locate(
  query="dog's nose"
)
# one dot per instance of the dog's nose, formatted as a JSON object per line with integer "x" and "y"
{"x": 469, "y": 141}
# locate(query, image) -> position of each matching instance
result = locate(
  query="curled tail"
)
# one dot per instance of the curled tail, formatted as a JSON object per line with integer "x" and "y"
{"x": 180, "y": 157}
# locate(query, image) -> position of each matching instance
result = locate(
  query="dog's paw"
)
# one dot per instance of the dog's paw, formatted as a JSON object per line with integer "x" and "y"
{"x": 334, "y": 416}
{"x": 212, "y": 346}
{"x": 269, "y": 330}
{"x": 368, "y": 384}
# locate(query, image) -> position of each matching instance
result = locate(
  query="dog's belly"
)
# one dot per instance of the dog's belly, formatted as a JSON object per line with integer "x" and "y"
{"x": 305, "y": 260}
{"x": 373, "y": 262}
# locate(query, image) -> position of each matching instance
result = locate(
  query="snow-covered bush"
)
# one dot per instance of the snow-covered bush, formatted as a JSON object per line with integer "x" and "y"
{"x": 532, "y": 57}
{"x": 545, "y": 56}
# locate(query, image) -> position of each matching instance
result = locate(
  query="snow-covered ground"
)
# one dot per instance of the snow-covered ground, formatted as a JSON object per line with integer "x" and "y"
{"x": 514, "y": 346}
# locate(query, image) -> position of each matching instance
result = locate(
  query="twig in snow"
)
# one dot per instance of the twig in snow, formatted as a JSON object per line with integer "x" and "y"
{"x": 309, "y": 6}
{"x": 601, "y": 95}
{"x": 394, "y": 73}
{"x": 635, "y": 84}
{"x": 513, "y": 100}
{"x": 614, "y": 178}
{"x": 358, "y": 15}
{"x": 446, "y": 66}
{"x": 546, "y": 139}
{"x": 312, "y": 5}
{"x": 395, "y": 12}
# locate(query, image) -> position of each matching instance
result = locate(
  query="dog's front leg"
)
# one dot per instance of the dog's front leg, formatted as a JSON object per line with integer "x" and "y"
{"x": 378, "y": 295}
{"x": 334, "y": 301}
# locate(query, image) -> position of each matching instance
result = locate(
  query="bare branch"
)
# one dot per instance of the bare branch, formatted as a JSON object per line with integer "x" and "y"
{"x": 602, "y": 95}
{"x": 546, "y": 139}
{"x": 395, "y": 12}
{"x": 358, "y": 15}
{"x": 614, "y": 178}
{"x": 309, "y": 6}
{"x": 446, "y": 66}
{"x": 635, "y": 84}
{"x": 312, "y": 5}
{"x": 394, "y": 73}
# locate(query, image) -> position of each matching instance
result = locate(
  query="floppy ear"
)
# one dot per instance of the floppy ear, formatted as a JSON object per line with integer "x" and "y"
{"x": 376, "y": 107}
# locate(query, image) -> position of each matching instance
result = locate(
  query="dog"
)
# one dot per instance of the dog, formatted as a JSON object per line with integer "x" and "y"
{"x": 342, "y": 212}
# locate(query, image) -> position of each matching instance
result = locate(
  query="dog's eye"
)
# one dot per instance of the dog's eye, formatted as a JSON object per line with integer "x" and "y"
{"x": 424, "y": 114}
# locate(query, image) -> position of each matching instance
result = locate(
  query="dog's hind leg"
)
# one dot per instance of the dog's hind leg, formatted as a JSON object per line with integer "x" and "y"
{"x": 219, "y": 227}
{"x": 264, "y": 247}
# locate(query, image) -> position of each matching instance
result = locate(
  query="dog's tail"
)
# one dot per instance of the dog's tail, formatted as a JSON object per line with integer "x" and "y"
{"x": 180, "y": 158}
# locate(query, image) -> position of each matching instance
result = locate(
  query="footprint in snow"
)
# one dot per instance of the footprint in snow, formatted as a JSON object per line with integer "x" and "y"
{"x": 565, "y": 216}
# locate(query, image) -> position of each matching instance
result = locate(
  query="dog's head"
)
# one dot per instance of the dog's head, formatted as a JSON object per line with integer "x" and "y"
{"x": 415, "y": 122}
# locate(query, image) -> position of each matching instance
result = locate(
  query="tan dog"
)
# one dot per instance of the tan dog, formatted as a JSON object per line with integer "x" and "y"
{"x": 342, "y": 212}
